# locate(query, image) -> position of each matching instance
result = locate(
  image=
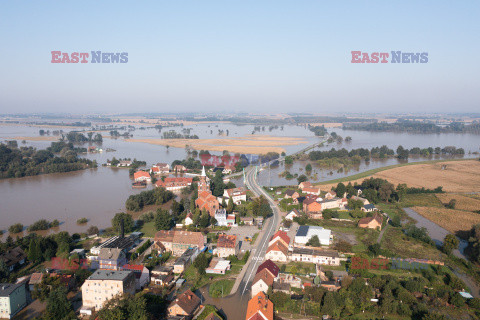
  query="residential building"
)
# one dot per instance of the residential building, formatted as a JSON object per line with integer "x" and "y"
{"x": 236, "y": 194}
{"x": 330, "y": 285}
{"x": 13, "y": 298}
{"x": 142, "y": 275}
{"x": 292, "y": 214}
{"x": 179, "y": 168}
{"x": 372, "y": 222}
{"x": 165, "y": 280}
{"x": 142, "y": 176}
{"x": 317, "y": 256}
{"x": 277, "y": 252}
{"x": 311, "y": 190}
{"x": 111, "y": 258}
{"x": 184, "y": 305}
{"x": 224, "y": 219}
{"x": 304, "y": 233}
{"x": 227, "y": 245}
{"x": 124, "y": 163}
{"x": 189, "y": 219}
{"x": 208, "y": 202}
{"x": 305, "y": 184}
{"x": 365, "y": 201}
{"x": 174, "y": 183}
{"x": 330, "y": 195}
{"x": 334, "y": 203}
{"x": 282, "y": 287}
{"x": 311, "y": 206}
{"x": 185, "y": 260}
{"x": 179, "y": 241}
{"x": 259, "y": 308}
{"x": 104, "y": 285}
{"x": 218, "y": 266}
{"x": 248, "y": 221}
{"x": 280, "y": 236}
{"x": 160, "y": 168}
{"x": 291, "y": 194}
{"x": 271, "y": 267}
{"x": 262, "y": 281}
{"x": 13, "y": 258}
{"x": 368, "y": 208}
{"x": 35, "y": 279}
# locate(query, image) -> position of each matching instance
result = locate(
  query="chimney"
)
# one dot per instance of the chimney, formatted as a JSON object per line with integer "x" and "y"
{"x": 189, "y": 297}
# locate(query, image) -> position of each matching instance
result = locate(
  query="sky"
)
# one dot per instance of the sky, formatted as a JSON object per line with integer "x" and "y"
{"x": 257, "y": 56}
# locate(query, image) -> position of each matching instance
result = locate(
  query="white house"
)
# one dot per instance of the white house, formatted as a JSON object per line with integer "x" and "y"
{"x": 304, "y": 234}
{"x": 315, "y": 256}
{"x": 189, "y": 219}
{"x": 292, "y": 214}
{"x": 237, "y": 194}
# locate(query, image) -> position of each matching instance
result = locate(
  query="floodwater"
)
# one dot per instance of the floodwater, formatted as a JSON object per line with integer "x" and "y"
{"x": 98, "y": 194}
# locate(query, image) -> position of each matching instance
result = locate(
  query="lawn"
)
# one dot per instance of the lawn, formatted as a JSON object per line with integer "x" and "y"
{"x": 221, "y": 288}
{"x": 207, "y": 311}
{"x": 399, "y": 245}
{"x": 148, "y": 229}
{"x": 300, "y": 268}
{"x": 254, "y": 238}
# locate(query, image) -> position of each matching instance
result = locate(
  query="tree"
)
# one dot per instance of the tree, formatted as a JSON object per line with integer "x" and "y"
{"x": 204, "y": 219}
{"x": 451, "y": 204}
{"x": 201, "y": 263}
{"x": 340, "y": 189}
{"x": 401, "y": 191}
{"x": 385, "y": 191}
{"x": 92, "y": 230}
{"x": 302, "y": 178}
{"x": 128, "y": 223}
{"x": 230, "y": 206}
{"x": 58, "y": 306}
{"x": 329, "y": 305}
{"x": 124, "y": 307}
{"x": 354, "y": 204}
{"x": 313, "y": 241}
{"x": 4, "y": 270}
{"x": 163, "y": 220}
{"x": 450, "y": 243}
{"x": 308, "y": 168}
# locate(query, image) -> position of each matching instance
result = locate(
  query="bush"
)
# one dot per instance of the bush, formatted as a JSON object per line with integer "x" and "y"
{"x": 41, "y": 224}
{"x": 82, "y": 220}
{"x": 15, "y": 228}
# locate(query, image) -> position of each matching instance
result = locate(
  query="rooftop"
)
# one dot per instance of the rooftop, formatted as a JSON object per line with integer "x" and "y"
{"x": 110, "y": 275}
{"x": 7, "y": 288}
{"x": 226, "y": 241}
{"x": 315, "y": 252}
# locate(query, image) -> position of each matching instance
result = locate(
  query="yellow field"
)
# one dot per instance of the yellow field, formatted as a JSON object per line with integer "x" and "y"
{"x": 253, "y": 144}
{"x": 451, "y": 220}
{"x": 459, "y": 176}
{"x": 463, "y": 202}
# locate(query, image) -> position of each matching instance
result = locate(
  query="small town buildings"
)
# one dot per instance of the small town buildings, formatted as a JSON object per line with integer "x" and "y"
{"x": 311, "y": 206}
{"x": 160, "y": 168}
{"x": 311, "y": 190}
{"x": 218, "y": 266}
{"x": 164, "y": 280}
{"x": 280, "y": 236}
{"x": 185, "y": 260}
{"x": 227, "y": 245}
{"x": 184, "y": 305}
{"x": 305, "y": 184}
{"x": 368, "y": 208}
{"x": 365, "y": 201}
{"x": 271, "y": 267}
{"x": 13, "y": 258}
{"x": 224, "y": 219}
{"x": 178, "y": 241}
{"x": 282, "y": 287}
{"x": 124, "y": 163}
{"x": 304, "y": 233}
{"x": 292, "y": 214}
{"x": 103, "y": 285}
{"x": 142, "y": 176}
{"x": 13, "y": 298}
{"x": 208, "y": 202}
{"x": 248, "y": 221}
{"x": 259, "y": 308}
{"x": 330, "y": 285}
{"x": 277, "y": 252}
{"x": 119, "y": 242}
{"x": 291, "y": 194}
{"x": 317, "y": 256}
{"x": 330, "y": 195}
{"x": 236, "y": 194}
{"x": 262, "y": 281}
{"x": 188, "y": 219}
{"x": 372, "y": 222}
{"x": 334, "y": 203}
{"x": 35, "y": 279}
{"x": 179, "y": 168}
{"x": 174, "y": 183}
{"x": 142, "y": 275}
{"x": 111, "y": 258}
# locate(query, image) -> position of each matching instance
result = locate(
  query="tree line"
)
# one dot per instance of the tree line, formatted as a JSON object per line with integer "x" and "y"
{"x": 416, "y": 127}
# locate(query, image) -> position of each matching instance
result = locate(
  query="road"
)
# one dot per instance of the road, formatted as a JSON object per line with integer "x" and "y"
{"x": 235, "y": 305}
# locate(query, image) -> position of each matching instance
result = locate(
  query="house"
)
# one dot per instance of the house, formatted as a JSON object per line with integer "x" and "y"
{"x": 310, "y": 205}
{"x": 271, "y": 267}
{"x": 179, "y": 241}
{"x": 224, "y": 219}
{"x": 13, "y": 298}
{"x": 218, "y": 266}
{"x": 292, "y": 214}
{"x": 248, "y": 221}
{"x": 335, "y": 203}
{"x": 160, "y": 168}
{"x": 262, "y": 281}
{"x": 174, "y": 183}
{"x": 311, "y": 190}
{"x": 372, "y": 222}
{"x": 140, "y": 176}
{"x": 228, "y": 169}
{"x": 365, "y": 201}
{"x": 185, "y": 305}
{"x": 208, "y": 202}
{"x": 179, "y": 168}
{"x": 280, "y": 236}
{"x": 227, "y": 245}
{"x": 35, "y": 279}
{"x": 291, "y": 194}
{"x": 304, "y": 233}
{"x": 164, "y": 280}
{"x": 111, "y": 258}
{"x": 330, "y": 285}
{"x": 13, "y": 258}
{"x": 142, "y": 275}
{"x": 368, "y": 208}
{"x": 305, "y": 184}
{"x": 259, "y": 308}
{"x": 277, "y": 252}
{"x": 185, "y": 260}
{"x": 236, "y": 194}
{"x": 124, "y": 163}
{"x": 317, "y": 256}
{"x": 103, "y": 285}
{"x": 282, "y": 287}
{"x": 188, "y": 219}
{"x": 330, "y": 194}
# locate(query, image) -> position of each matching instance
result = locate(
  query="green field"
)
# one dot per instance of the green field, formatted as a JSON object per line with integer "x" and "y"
{"x": 221, "y": 288}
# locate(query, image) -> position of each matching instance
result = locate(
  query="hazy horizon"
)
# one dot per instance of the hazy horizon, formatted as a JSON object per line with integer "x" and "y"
{"x": 253, "y": 57}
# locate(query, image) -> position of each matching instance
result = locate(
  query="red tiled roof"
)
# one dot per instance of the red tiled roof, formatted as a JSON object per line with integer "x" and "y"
{"x": 259, "y": 304}
{"x": 226, "y": 241}
{"x": 140, "y": 174}
{"x": 282, "y": 235}
{"x": 278, "y": 246}
{"x": 133, "y": 267}
{"x": 265, "y": 276}
{"x": 270, "y": 266}
{"x": 188, "y": 302}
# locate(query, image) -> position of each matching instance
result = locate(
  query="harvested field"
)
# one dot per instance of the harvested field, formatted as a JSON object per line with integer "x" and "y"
{"x": 39, "y": 138}
{"x": 249, "y": 144}
{"x": 451, "y": 220}
{"x": 459, "y": 176}
{"x": 463, "y": 202}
